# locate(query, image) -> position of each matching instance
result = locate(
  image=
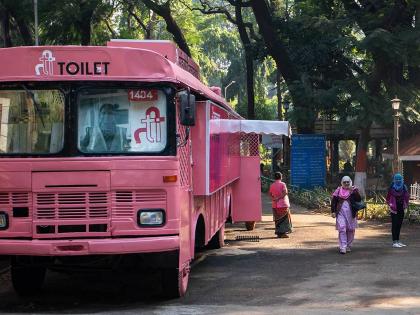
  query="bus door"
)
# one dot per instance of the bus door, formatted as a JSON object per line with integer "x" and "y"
{"x": 246, "y": 199}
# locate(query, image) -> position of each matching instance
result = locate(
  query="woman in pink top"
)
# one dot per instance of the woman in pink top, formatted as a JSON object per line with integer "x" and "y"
{"x": 280, "y": 205}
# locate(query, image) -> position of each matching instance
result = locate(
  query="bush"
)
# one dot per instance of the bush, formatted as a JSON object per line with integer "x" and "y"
{"x": 318, "y": 198}
{"x": 378, "y": 211}
{"x": 414, "y": 212}
{"x": 265, "y": 184}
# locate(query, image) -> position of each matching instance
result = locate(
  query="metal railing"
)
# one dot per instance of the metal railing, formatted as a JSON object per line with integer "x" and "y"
{"x": 415, "y": 191}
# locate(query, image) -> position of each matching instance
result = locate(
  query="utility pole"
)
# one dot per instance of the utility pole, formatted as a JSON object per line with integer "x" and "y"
{"x": 36, "y": 22}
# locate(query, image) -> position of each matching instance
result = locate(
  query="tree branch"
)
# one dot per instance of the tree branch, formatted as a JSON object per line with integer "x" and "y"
{"x": 172, "y": 27}
{"x": 138, "y": 20}
{"x": 208, "y": 10}
{"x": 110, "y": 29}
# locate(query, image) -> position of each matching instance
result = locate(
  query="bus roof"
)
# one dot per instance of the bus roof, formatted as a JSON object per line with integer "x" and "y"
{"x": 97, "y": 63}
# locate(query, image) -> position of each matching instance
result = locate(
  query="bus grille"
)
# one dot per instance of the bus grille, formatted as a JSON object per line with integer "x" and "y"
{"x": 16, "y": 198}
{"x": 126, "y": 201}
{"x": 69, "y": 206}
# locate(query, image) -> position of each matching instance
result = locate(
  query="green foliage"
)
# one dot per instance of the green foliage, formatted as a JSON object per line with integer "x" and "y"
{"x": 220, "y": 54}
{"x": 375, "y": 211}
{"x": 64, "y": 22}
{"x": 349, "y": 63}
{"x": 318, "y": 198}
{"x": 347, "y": 149}
{"x": 414, "y": 212}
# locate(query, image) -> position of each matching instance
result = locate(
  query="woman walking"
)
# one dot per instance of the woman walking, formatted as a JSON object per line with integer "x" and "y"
{"x": 346, "y": 221}
{"x": 397, "y": 200}
{"x": 280, "y": 205}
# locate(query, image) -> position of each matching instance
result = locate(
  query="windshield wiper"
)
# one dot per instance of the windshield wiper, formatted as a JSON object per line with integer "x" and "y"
{"x": 36, "y": 104}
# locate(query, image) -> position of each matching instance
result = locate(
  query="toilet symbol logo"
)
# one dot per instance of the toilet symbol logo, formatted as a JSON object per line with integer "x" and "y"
{"x": 46, "y": 67}
{"x": 152, "y": 128}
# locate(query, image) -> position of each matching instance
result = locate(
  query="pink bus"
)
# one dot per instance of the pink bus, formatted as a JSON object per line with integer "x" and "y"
{"x": 117, "y": 150}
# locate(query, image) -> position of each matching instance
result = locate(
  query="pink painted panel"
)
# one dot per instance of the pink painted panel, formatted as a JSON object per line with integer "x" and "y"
{"x": 59, "y": 63}
{"x": 71, "y": 181}
{"x": 127, "y": 227}
{"x": 143, "y": 178}
{"x": 185, "y": 240}
{"x": 199, "y": 149}
{"x": 224, "y": 152}
{"x": 18, "y": 227}
{"x": 14, "y": 165}
{"x": 214, "y": 209}
{"x": 87, "y": 164}
{"x": 15, "y": 181}
{"x": 247, "y": 191}
{"x": 89, "y": 246}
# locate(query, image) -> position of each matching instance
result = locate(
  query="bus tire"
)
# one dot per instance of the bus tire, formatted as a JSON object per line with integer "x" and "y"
{"x": 250, "y": 225}
{"x": 175, "y": 282}
{"x": 27, "y": 279}
{"x": 218, "y": 239}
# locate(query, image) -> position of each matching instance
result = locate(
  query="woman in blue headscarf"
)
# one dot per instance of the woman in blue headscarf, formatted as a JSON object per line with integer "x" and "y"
{"x": 397, "y": 200}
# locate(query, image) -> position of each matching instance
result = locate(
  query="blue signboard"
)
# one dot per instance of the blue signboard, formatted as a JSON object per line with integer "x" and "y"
{"x": 308, "y": 160}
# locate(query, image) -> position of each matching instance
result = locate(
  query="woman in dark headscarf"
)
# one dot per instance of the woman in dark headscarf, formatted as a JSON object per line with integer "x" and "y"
{"x": 397, "y": 200}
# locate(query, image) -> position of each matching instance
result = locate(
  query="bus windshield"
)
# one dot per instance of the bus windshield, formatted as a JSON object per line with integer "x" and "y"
{"x": 122, "y": 120}
{"x": 32, "y": 121}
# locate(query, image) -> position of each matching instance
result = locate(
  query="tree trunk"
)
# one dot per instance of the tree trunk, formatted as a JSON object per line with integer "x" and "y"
{"x": 85, "y": 33}
{"x": 250, "y": 84}
{"x": 85, "y": 22}
{"x": 361, "y": 160}
{"x": 249, "y": 61}
{"x": 280, "y": 115}
{"x": 22, "y": 26}
{"x": 306, "y": 117}
{"x": 176, "y": 31}
{"x": 150, "y": 25}
{"x": 5, "y": 28}
{"x": 274, "y": 44}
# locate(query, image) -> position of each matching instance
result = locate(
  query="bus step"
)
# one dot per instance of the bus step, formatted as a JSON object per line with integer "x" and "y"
{"x": 248, "y": 238}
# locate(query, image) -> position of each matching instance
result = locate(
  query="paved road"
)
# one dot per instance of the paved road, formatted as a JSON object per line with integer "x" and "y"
{"x": 300, "y": 275}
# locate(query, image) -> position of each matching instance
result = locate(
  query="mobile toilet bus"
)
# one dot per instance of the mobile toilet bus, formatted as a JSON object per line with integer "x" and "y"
{"x": 107, "y": 151}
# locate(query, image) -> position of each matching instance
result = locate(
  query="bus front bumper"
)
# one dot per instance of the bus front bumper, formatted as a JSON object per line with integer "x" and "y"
{"x": 89, "y": 246}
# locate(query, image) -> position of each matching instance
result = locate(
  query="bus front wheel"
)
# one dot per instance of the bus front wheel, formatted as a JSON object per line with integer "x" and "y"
{"x": 175, "y": 282}
{"x": 28, "y": 278}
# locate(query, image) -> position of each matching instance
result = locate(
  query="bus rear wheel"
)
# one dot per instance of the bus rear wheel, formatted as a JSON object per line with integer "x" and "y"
{"x": 28, "y": 278}
{"x": 250, "y": 225}
{"x": 175, "y": 282}
{"x": 218, "y": 239}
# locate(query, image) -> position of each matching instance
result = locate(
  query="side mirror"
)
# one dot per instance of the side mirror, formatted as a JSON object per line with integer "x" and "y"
{"x": 187, "y": 109}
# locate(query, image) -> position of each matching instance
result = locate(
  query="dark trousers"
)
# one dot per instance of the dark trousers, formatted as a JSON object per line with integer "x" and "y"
{"x": 397, "y": 220}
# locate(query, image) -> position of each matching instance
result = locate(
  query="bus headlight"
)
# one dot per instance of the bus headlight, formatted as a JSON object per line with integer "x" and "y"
{"x": 151, "y": 217}
{"x": 4, "y": 220}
